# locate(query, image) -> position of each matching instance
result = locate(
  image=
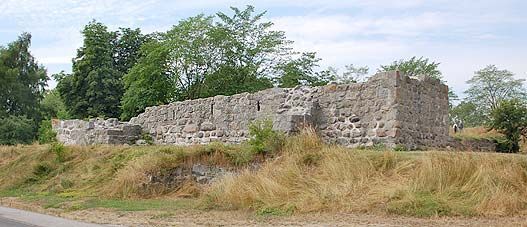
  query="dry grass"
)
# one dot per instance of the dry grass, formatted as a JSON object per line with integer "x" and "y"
{"x": 306, "y": 176}
{"x": 310, "y": 176}
{"x": 107, "y": 171}
{"x": 476, "y": 133}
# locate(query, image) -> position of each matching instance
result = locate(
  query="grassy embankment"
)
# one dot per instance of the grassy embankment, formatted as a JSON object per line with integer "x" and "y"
{"x": 305, "y": 175}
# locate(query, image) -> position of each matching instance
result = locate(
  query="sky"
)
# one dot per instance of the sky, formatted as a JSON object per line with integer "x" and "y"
{"x": 464, "y": 36}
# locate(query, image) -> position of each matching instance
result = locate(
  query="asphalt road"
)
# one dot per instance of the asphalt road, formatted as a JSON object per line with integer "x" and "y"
{"x": 10, "y": 217}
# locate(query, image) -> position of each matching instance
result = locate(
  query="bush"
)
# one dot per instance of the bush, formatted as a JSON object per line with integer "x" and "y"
{"x": 59, "y": 151}
{"x": 46, "y": 133}
{"x": 510, "y": 119}
{"x": 263, "y": 138}
{"x": 16, "y": 130}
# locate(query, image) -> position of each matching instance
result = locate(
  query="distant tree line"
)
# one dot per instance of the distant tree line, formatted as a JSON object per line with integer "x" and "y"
{"x": 120, "y": 73}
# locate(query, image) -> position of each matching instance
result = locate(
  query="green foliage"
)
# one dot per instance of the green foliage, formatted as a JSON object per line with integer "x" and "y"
{"x": 46, "y": 133}
{"x": 263, "y": 138}
{"x": 400, "y": 147}
{"x": 16, "y": 130}
{"x": 52, "y": 105}
{"x": 420, "y": 205}
{"x": 22, "y": 80}
{"x": 65, "y": 183}
{"x": 510, "y": 119}
{"x": 414, "y": 67}
{"x": 126, "y": 45}
{"x": 274, "y": 211}
{"x": 59, "y": 150}
{"x": 490, "y": 86}
{"x": 148, "y": 138}
{"x": 204, "y": 56}
{"x": 95, "y": 87}
{"x": 240, "y": 157}
{"x": 301, "y": 72}
{"x": 147, "y": 83}
{"x": 471, "y": 114}
{"x": 40, "y": 172}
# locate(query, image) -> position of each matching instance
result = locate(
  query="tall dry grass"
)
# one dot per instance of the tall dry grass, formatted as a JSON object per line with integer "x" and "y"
{"x": 311, "y": 176}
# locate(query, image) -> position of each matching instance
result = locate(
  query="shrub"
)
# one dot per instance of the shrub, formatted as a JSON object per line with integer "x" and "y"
{"x": 510, "y": 119}
{"x": 59, "y": 151}
{"x": 263, "y": 138}
{"x": 400, "y": 147}
{"x": 16, "y": 130}
{"x": 46, "y": 133}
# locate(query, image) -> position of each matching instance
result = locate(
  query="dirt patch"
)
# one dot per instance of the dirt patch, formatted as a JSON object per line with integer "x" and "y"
{"x": 242, "y": 218}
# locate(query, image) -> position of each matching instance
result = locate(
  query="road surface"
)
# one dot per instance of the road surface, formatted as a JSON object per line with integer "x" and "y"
{"x": 10, "y": 217}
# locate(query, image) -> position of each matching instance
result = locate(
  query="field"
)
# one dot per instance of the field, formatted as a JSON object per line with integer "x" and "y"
{"x": 302, "y": 179}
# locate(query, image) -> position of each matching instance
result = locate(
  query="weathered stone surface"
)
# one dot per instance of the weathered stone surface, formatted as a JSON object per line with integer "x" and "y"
{"x": 389, "y": 108}
{"x": 96, "y": 131}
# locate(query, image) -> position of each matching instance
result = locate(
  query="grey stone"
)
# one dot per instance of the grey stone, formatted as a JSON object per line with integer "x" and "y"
{"x": 389, "y": 108}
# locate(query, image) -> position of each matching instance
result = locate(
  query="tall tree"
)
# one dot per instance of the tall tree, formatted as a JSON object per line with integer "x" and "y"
{"x": 509, "y": 117}
{"x": 252, "y": 51}
{"x": 94, "y": 88}
{"x": 301, "y": 71}
{"x": 126, "y": 44}
{"x": 470, "y": 113}
{"x": 200, "y": 57}
{"x": 149, "y": 83}
{"x": 22, "y": 79}
{"x": 490, "y": 86}
{"x": 414, "y": 67}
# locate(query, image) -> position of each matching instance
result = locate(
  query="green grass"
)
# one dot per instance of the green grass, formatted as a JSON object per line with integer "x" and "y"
{"x": 427, "y": 204}
{"x": 139, "y": 205}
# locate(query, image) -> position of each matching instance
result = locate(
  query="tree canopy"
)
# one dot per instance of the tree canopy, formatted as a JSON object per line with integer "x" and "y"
{"x": 490, "y": 86}
{"x": 23, "y": 79}
{"x": 95, "y": 86}
{"x": 414, "y": 67}
{"x": 203, "y": 56}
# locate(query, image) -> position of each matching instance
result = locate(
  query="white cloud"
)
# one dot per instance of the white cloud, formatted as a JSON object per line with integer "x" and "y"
{"x": 462, "y": 35}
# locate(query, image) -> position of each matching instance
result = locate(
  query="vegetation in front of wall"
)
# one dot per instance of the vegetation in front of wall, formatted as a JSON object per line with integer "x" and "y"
{"x": 305, "y": 175}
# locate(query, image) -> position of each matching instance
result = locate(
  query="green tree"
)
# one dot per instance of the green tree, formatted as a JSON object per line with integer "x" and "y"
{"x": 22, "y": 80}
{"x": 148, "y": 83}
{"x": 301, "y": 72}
{"x": 414, "y": 67}
{"x": 510, "y": 118}
{"x": 17, "y": 130}
{"x": 490, "y": 86}
{"x": 52, "y": 106}
{"x": 199, "y": 58}
{"x": 252, "y": 51}
{"x": 126, "y": 45}
{"x": 469, "y": 113}
{"x": 94, "y": 88}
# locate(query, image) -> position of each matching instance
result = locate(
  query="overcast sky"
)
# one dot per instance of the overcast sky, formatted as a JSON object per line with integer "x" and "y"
{"x": 463, "y": 36}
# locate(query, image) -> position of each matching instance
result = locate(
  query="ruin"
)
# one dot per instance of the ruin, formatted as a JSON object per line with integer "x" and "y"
{"x": 389, "y": 108}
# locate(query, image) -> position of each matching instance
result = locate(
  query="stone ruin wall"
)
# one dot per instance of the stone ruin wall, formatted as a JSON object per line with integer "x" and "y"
{"x": 96, "y": 131}
{"x": 389, "y": 108}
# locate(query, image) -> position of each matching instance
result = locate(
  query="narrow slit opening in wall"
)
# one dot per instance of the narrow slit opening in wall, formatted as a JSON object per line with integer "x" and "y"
{"x": 212, "y": 108}
{"x": 258, "y": 105}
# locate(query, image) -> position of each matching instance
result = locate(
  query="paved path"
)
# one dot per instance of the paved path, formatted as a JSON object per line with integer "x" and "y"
{"x": 10, "y": 217}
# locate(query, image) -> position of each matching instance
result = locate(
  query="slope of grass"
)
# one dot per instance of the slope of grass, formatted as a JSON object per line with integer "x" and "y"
{"x": 306, "y": 175}
{"x": 311, "y": 176}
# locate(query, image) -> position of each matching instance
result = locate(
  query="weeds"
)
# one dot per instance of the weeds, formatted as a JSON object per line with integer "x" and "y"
{"x": 263, "y": 138}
